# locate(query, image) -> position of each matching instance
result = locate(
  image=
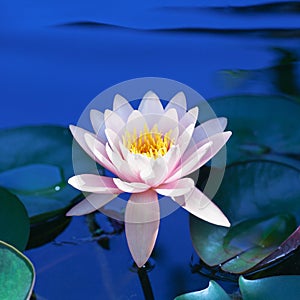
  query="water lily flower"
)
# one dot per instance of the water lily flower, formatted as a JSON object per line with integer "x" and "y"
{"x": 150, "y": 151}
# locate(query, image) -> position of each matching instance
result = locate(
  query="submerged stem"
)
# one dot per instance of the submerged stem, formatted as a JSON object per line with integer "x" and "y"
{"x": 145, "y": 283}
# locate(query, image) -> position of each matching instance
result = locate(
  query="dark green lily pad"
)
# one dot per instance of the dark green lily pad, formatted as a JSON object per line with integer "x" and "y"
{"x": 212, "y": 292}
{"x": 17, "y": 274}
{"x": 47, "y": 230}
{"x": 14, "y": 221}
{"x": 264, "y": 127}
{"x": 261, "y": 200}
{"x": 288, "y": 246}
{"x": 35, "y": 164}
{"x": 275, "y": 288}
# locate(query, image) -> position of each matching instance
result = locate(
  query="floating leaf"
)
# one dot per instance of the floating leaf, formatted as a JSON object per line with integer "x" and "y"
{"x": 288, "y": 246}
{"x": 275, "y": 288}
{"x": 35, "y": 163}
{"x": 14, "y": 221}
{"x": 264, "y": 127}
{"x": 17, "y": 274}
{"x": 261, "y": 199}
{"x": 212, "y": 292}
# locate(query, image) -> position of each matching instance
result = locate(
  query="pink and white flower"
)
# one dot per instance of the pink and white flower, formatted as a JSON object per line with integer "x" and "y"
{"x": 150, "y": 151}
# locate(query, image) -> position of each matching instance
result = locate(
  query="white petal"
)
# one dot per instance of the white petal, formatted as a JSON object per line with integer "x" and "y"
{"x": 218, "y": 141}
{"x": 151, "y": 104}
{"x": 176, "y": 188}
{"x": 189, "y": 164}
{"x": 98, "y": 152}
{"x": 123, "y": 169}
{"x": 97, "y": 120}
{"x": 142, "y": 218}
{"x": 78, "y": 134}
{"x": 91, "y": 203}
{"x": 155, "y": 172}
{"x": 179, "y": 103}
{"x": 122, "y": 107}
{"x": 209, "y": 128}
{"x": 172, "y": 159}
{"x": 168, "y": 121}
{"x": 94, "y": 184}
{"x": 113, "y": 121}
{"x": 113, "y": 139}
{"x": 138, "y": 163}
{"x": 184, "y": 139}
{"x": 190, "y": 117}
{"x": 199, "y": 205}
{"x": 130, "y": 187}
{"x": 136, "y": 121}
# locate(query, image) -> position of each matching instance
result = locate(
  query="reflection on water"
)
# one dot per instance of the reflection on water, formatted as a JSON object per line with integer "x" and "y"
{"x": 281, "y": 77}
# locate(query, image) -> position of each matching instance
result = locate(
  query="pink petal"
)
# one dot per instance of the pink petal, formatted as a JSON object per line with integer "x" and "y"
{"x": 189, "y": 164}
{"x": 154, "y": 173}
{"x": 184, "y": 139}
{"x": 113, "y": 139}
{"x": 176, "y": 188}
{"x": 97, "y": 120}
{"x": 218, "y": 141}
{"x": 124, "y": 151}
{"x": 123, "y": 169}
{"x": 137, "y": 164}
{"x": 136, "y": 121}
{"x": 199, "y": 205}
{"x": 122, "y": 107}
{"x": 142, "y": 218}
{"x": 130, "y": 187}
{"x": 151, "y": 104}
{"x": 94, "y": 184}
{"x": 98, "y": 152}
{"x": 172, "y": 159}
{"x": 179, "y": 103}
{"x": 78, "y": 134}
{"x": 91, "y": 203}
{"x": 209, "y": 128}
{"x": 168, "y": 121}
{"x": 190, "y": 117}
{"x": 113, "y": 121}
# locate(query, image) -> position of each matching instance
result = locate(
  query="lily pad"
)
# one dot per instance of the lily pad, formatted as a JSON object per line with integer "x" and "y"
{"x": 212, "y": 292}
{"x": 275, "y": 288}
{"x": 17, "y": 274}
{"x": 264, "y": 127}
{"x": 14, "y": 221}
{"x": 261, "y": 200}
{"x": 35, "y": 163}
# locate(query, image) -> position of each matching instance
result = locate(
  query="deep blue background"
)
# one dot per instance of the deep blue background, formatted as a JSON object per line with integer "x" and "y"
{"x": 56, "y": 56}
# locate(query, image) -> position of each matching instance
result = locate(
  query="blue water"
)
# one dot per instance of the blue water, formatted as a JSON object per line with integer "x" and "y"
{"x": 56, "y": 56}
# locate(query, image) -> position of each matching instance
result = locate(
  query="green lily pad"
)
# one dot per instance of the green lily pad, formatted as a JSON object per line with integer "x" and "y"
{"x": 35, "y": 164}
{"x": 212, "y": 292}
{"x": 46, "y": 231}
{"x": 17, "y": 274}
{"x": 14, "y": 221}
{"x": 264, "y": 127}
{"x": 275, "y": 288}
{"x": 261, "y": 200}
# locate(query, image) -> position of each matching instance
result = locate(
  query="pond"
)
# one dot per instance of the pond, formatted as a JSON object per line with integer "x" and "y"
{"x": 242, "y": 57}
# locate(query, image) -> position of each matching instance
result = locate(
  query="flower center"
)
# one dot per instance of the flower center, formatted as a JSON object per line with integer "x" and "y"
{"x": 151, "y": 143}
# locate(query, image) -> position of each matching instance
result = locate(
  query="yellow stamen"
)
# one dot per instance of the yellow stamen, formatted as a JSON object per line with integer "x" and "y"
{"x": 151, "y": 143}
